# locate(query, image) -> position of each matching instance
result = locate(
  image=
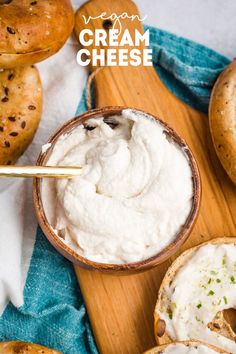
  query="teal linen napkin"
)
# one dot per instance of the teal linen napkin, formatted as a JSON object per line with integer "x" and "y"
{"x": 54, "y": 314}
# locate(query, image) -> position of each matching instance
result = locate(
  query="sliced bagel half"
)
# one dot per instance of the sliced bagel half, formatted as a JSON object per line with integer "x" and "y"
{"x": 186, "y": 347}
{"x": 196, "y": 290}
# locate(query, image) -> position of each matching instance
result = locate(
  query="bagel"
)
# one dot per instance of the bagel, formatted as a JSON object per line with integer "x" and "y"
{"x": 24, "y": 348}
{"x": 222, "y": 119}
{"x": 186, "y": 347}
{"x": 31, "y": 31}
{"x": 20, "y": 111}
{"x": 195, "y": 291}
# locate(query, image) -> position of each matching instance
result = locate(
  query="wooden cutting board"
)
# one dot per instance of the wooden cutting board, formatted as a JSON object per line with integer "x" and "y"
{"x": 121, "y": 308}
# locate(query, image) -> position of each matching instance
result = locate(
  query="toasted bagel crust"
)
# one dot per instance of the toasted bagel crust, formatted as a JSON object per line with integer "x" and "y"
{"x": 20, "y": 111}
{"x": 31, "y": 31}
{"x": 222, "y": 119}
{"x": 24, "y": 348}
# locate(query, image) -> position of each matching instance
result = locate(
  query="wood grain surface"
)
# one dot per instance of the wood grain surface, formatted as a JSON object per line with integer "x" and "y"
{"x": 121, "y": 308}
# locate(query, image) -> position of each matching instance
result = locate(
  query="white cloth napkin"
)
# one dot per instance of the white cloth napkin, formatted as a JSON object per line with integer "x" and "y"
{"x": 63, "y": 82}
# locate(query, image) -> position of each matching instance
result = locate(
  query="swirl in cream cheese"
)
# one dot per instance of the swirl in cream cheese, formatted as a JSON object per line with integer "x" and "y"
{"x": 133, "y": 196}
{"x": 204, "y": 286}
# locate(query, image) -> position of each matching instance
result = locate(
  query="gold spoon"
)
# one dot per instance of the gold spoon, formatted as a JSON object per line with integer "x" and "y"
{"x": 40, "y": 171}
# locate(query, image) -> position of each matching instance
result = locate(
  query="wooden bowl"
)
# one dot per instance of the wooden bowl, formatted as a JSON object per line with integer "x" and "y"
{"x": 77, "y": 259}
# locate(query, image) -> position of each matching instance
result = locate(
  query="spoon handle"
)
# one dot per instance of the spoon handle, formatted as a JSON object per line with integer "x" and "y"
{"x": 40, "y": 171}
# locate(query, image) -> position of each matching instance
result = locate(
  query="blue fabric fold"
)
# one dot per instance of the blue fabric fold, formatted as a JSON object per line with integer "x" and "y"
{"x": 188, "y": 69}
{"x": 54, "y": 313}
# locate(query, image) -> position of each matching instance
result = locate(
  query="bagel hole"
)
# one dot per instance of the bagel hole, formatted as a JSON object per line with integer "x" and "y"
{"x": 5, "y": 2}
{"x": 230, "y": 317}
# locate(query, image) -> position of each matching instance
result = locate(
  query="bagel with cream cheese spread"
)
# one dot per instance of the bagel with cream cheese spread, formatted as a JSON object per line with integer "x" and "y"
{"x": 31, "y": 31}
{"x": 195, "y": 291}
{"x": 24, "y": 348}
{"x": 186, "y": 347}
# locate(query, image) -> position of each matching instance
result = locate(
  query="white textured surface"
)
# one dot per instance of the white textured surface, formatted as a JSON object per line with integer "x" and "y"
{"x": 210, "y": 22}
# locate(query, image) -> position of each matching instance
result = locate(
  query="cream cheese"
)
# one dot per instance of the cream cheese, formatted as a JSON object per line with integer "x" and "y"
{"x": 45, "y": 147}
{"x": 205, "y": 285}
{"x": 180, "y": 348}
{"x": 133, "y": 196}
